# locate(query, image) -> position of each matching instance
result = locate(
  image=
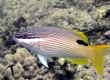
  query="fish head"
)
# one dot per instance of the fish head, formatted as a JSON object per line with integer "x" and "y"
{"x": 30, "y": 38}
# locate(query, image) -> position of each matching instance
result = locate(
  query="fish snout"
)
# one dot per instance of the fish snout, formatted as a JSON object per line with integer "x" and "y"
{"x": 14, "y": 38}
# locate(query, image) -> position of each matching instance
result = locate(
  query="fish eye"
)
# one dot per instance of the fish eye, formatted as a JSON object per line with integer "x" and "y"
{"x": 81, "y": 42}
{"x": 24, "y": 35}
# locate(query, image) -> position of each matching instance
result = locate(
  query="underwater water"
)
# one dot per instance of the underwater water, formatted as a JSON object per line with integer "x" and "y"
{"x": 92, "y": 17}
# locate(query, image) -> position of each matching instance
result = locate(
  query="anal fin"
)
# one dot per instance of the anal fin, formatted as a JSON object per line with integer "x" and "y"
{"x": 78, "y": 60}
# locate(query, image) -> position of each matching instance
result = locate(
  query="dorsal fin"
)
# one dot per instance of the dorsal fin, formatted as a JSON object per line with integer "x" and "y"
{"x": 82, "y": 35}
{"x": 81, "y": 42}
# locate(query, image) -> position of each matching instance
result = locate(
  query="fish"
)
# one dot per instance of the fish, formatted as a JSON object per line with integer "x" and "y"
{"x": 72, "y": 45}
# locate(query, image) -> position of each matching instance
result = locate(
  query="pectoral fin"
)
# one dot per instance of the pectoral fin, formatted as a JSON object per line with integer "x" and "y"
{"x": 78, "y": 60}
{"x": 43, "y": 60}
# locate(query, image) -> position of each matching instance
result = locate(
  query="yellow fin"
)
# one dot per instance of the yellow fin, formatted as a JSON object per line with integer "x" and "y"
{"x": 82, "y": 35}
{"x": 97, "y": 57}
{"x": 78, "y": 60}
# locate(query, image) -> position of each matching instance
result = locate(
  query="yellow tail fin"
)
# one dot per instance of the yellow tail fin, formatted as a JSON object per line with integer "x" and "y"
{"x": 97, "y": 57}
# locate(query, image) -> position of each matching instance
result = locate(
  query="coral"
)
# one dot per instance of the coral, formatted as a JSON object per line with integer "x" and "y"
{"x": 21, "y": 54}
{"x": 19, "y": 66}
{"x": 61, "y": 61}
{"x": 29, "y": 66}
{"x": 2, "y": 68}
{"x": 102, "y": 13}
{"x": 22, "y": 65}
{"x": 9, "y": 58}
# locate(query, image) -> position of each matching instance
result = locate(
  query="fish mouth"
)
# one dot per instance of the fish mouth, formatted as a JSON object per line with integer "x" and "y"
{"x": 15, "y": 39}
{"x": 18, "y": 35}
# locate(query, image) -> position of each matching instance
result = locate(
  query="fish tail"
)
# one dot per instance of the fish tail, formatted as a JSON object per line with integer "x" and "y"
{"x": 97, "y": 57}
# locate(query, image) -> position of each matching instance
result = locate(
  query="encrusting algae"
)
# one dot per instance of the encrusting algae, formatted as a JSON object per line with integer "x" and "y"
{"x": 57, "y": 42}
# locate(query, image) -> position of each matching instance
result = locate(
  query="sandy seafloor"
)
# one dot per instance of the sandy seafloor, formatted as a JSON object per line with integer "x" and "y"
{"x": 17, "y": 63}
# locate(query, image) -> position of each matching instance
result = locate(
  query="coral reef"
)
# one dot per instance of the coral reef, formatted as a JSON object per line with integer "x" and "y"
{"x": 20, "y": 65}
{"x": 89, "y": 16}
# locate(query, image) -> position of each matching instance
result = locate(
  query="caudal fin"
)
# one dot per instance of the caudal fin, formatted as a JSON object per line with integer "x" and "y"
{"x": 97, "y": 57}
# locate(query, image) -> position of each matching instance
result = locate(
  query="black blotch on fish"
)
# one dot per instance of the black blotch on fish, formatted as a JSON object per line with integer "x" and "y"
{"x": 81, "y": 42}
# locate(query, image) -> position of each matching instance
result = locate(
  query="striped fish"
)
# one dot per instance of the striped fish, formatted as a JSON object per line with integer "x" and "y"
{"x": 58, "y": 42}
